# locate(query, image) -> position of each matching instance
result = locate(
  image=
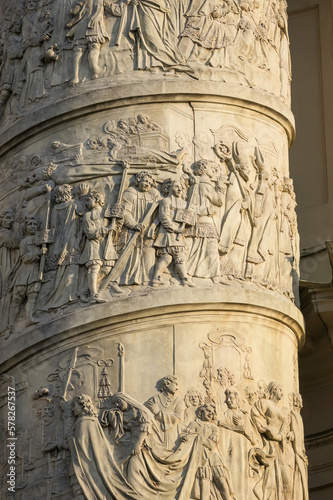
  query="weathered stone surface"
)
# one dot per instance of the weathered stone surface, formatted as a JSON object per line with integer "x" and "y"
{"x": 149, "y": 252}
{"x": 50, "y": 45}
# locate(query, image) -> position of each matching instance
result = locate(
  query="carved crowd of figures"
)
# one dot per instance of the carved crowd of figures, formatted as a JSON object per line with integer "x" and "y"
{"x": 46, "y": 43}
{"x": 218, "y": 443}
{"x": 229, "y": 221}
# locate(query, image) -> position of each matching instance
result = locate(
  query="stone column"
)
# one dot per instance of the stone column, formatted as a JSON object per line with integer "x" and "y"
{"x": 149, "y": 252}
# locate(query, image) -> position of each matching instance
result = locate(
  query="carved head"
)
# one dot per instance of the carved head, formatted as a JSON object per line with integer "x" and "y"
{"x": 7, "y": 218}
{"x": 63, "y": 193}
{"x": 275, "y": 391}
{"x": 31, "y": 5}
{"x": 225, "y": 377}
{"x": 297, "y": 401}
{"x": 206, "y": 167}
{"x": 200, "y": 167}
{"x": 83, "y": 406}
{"x": 123, "y": 125}
{"x": 120, "y": 403}
{"x": 168, "y": 384}
{"x": 182, "y": 139}
{"x": 94, "y": 198}
{"x": 16, "y": 26}
{"x": 144, "y": 181}
{"x": 144, "y": 119}
{"x": 207, "y": 412}
{"x": 251, "y": 395}
{"x": 193, "y": 398}
{"x": 262, "y": 390}
{"x": 32, "y": 224}
{"x": 232, "y": 399}
{"x": 175, "y": 187}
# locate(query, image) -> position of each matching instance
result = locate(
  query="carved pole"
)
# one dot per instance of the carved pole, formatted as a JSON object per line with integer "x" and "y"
{"x": 121, "y": 354}
{"x": 189, "y": 204}
{"x": 70, "y": 371}
{"x": 114, "y": 210}
{"x": 121, "y": 262}
{"x": 47, "y": 221}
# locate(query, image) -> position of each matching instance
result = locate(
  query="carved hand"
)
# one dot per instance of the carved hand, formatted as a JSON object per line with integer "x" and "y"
{"x": 136, "y": 451}
{"x": 139, "y": 227}
{"x": 290, "y": 436}
{"x": 236, "y": 420}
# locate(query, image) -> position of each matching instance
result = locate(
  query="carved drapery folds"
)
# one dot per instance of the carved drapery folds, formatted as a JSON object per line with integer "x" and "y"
{"x": 210, "y": 441}
{"x": 49, "y": 44}
{"x": 120, "y": 213}
{"x": 156, "y": 218}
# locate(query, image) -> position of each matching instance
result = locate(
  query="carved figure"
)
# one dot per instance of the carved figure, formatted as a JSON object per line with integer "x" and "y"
{"x": 245, "y": 42}
{"x": 238, "y": 435}
{"x": 95, "y": 468}
{"x": 88, "y": 33}
{"x": 170, "y": 242}
{"x": 96, "y": 228}
{"x": 288, "y": 241}
{"x": 252, "y": 38}
{"x": 27, "y": 283}
{"x": 216, "y": 387}
{"x": 203, "y": 39}
{"x": 203, "y": 256}
{"x": 283, "y": 50}
{"x": 232, "y": 18}
{"x": 167, "y": 409}
{"x": 57, "y": 50}
{"x": 36, "y": 194}
{"x": 145, "y": 124}
{"x": 9, "y": 261}
{"x": 237, "y": 221}
{"x": 272, "y": 422}
{"x": 185, "y": 152}
{"x": 154, "y": 35}
{"x": 193, "y": 399}
{"x": 137, "y": 200}
{"x": 62, "y": 262}
{"x": 10, "y": 86}
{"x": 300, "y": 482}
{"x": 262, "y": 390}
{"x": 251, "y": 395}
{"x": 212, "y": 477}
{"x": 140, "y": 448}
{"x": 262, "y": 217}
{"x": 34, "y": 34}
{"x": 235, "y": 418}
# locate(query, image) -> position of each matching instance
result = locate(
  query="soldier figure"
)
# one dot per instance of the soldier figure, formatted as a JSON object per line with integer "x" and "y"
{"x": 96, "y": 229}
{"x": 170, "y": 242}
{"x": 27, "y": 283}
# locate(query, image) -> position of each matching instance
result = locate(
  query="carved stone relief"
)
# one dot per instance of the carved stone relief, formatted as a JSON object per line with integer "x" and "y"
{"x": 228, "y": 437}
{"x": 48, "y": 44}
{"x": 121, "y": 213}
